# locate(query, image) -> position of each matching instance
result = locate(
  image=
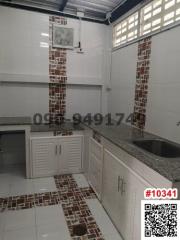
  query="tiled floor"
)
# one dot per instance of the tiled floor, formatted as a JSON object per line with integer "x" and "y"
{"x": 102, "y": 220}
{"x": 15, "y": 185}
{"x": 49, "y": 208}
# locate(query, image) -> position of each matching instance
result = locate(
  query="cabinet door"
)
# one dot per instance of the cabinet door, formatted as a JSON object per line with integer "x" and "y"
{"x": 126, "y": 201}
{"x": 141, "y": 186}
{"x": 44, "y": 157}
{"x": 118, "y": 194}
{"x": 95, "y": 166}
{"x": 70, "y": 154}
{"x": 110, "y": 186}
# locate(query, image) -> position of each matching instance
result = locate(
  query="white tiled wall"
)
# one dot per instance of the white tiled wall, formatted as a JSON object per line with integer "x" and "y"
{"x": 123, "y": 80}
{"x": 163, "y": 111}
{"x": 23, "y": 100}
{"x": 87, "y": 68}
{"x": 83, "y": 100}
{"x": 23, "y": 59}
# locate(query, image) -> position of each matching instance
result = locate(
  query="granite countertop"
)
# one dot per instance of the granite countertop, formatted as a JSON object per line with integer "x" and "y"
{"x": 123, "y": 135}
{"x": 7, "y": 121}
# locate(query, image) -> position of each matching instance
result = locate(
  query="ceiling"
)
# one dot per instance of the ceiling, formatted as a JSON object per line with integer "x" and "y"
{"x": 91, "y": 8}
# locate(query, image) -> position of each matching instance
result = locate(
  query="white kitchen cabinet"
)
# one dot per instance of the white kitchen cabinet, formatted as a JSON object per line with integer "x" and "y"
{"x": 44, "y": 157}
{"x": 122, "y": 193}
{"x": 56, "y": 155}
{"x": 95, "y": 166}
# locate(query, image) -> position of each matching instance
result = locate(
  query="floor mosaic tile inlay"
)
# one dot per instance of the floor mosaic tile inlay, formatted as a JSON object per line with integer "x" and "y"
{"x": 75, "y": 208}
{"x": 73, "y": 201}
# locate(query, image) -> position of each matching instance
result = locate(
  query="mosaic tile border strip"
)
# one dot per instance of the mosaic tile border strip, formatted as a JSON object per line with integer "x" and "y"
{"x": 29, "y": 201}
{"x": 75, "y": 209}
{"x": 67, "y": 191}
{"x": 142, "y": 78}
{"x": 57, "y": 75}
{"x": 78, "y": 212}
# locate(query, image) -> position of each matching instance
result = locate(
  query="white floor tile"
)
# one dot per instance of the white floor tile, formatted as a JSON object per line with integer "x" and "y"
{"x": 22, "y": 234}
{"x": 4, "y": 189}
{"x": 2, "y": 222}
{"x": 48, "y": 215}
{"x": 16, "y": 178}
{"x": 23, "y": 187}
{"x": 44, "y": 185}
{"x": 56, "y": 230}
{"x": 103, "y": 221}
{"x": 15, "y": 220}
{"x": 11, "y": 177}
{"x": 53, "y": 232}
{"x": 4, "y": 178}
{"x": 81, "y": 180}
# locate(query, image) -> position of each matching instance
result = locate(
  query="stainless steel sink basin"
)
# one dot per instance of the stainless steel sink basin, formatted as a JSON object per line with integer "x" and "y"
{"x": 159, "y": 147}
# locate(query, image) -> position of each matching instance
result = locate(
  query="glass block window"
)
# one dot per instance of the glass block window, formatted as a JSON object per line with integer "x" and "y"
{"x": 169, "y": 12}
{"x": 151, "y": 17}
{"x": 126, "y": 30}
{"x": 154, "y": 16}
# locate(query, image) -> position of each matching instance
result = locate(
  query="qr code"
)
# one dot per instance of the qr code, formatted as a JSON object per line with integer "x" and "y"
{"x": 160, "y": 220}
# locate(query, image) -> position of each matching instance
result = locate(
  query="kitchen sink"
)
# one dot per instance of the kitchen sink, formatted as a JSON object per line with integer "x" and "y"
{"x": 159, "y": 147}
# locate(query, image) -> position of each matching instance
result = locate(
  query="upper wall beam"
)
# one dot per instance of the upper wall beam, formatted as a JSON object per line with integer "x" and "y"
{"x": 63, "y": 5}
{"x": 124, "y": 8}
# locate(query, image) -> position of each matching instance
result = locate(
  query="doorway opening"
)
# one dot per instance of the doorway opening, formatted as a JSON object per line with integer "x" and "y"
{"x": 12, "y": 153}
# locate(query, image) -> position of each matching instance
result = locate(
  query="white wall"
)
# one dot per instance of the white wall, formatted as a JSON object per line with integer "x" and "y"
{"x": 87, "y": 68}
{"x": 163, "y": 109}
{"x": 23, "y": 100}
{"x": 123, "y": 80}
{"x": 83, "y": 100}
{"x": 23, "y": 59}
{"x": 21, "y": 56}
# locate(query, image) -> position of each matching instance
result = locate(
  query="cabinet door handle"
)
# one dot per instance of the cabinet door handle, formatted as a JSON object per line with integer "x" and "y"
{"x": 60, "y": 149}
{"x": 123, "y": 188}
{"x": 56, "y": 150}
{"x": 119, "y": 183}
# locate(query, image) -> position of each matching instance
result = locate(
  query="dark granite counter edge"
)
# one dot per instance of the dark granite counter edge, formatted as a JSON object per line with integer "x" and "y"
{"x": 18, "y": 121}
{"x": 69, "y": 126}
{"x": 10, "y": 121}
